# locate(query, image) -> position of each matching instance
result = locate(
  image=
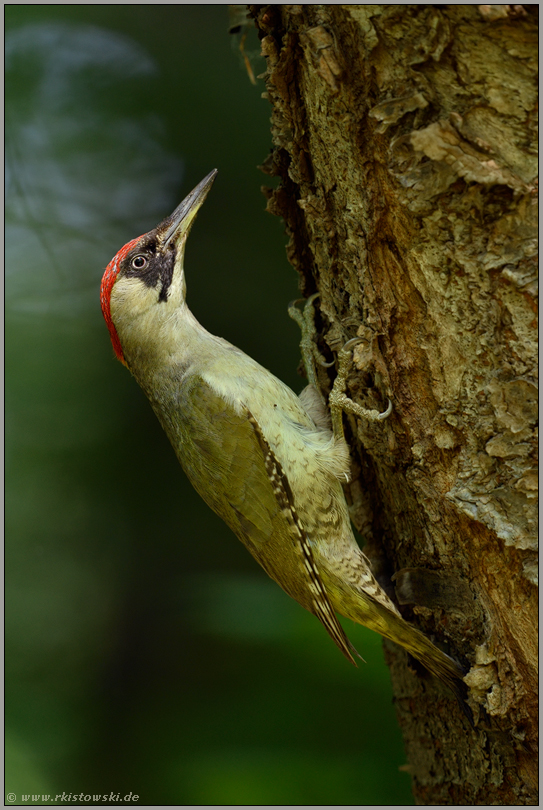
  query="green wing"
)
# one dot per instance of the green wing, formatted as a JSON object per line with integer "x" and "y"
{"x": 232, "y": 466}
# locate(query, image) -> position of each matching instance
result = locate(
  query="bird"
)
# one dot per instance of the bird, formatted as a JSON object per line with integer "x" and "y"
{"x": 263, "y": 458}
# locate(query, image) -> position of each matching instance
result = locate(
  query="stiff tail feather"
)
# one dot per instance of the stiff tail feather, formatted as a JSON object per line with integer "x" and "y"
{"x": 433, "y": 659}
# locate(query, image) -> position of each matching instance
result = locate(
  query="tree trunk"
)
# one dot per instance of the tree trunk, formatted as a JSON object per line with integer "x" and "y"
{"x": 404, "y": 138}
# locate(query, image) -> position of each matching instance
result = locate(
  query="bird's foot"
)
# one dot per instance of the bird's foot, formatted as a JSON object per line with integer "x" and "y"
{"x": 338, "y": 400}
{"x": 308, "y": 344}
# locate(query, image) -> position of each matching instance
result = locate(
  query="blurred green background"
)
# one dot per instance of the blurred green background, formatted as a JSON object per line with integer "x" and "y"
{"x": 146, "y": 650}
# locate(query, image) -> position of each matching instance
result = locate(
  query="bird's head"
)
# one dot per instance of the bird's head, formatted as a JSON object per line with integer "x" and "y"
{"x": 145, "y": 280}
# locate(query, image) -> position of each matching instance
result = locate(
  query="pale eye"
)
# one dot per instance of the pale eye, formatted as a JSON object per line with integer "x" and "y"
{"x": 139, "y": 262}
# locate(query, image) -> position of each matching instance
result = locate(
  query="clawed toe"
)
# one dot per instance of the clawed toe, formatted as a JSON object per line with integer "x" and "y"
{"x": 338, "y": 400}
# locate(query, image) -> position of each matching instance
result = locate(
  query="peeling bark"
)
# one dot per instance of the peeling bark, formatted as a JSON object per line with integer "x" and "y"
{"x": 405, "y": 141}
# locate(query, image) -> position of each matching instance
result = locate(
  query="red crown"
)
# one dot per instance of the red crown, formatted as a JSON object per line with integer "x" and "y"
{"x": 108, "y": 280}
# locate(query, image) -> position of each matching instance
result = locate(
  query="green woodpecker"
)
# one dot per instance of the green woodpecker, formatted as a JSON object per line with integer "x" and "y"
{"x": 264, "y": 459}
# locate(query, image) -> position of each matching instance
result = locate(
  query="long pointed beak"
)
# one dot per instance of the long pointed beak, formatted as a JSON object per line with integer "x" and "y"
{"x": 179, "y": 223}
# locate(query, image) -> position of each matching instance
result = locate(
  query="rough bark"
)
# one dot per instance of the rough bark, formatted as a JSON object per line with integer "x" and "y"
{"x": 404, "y": 139}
